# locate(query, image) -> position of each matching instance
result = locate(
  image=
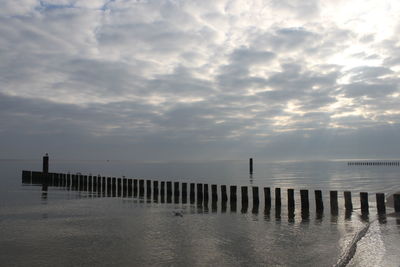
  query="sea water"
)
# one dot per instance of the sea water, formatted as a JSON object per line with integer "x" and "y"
{"x": 62, "y": 227}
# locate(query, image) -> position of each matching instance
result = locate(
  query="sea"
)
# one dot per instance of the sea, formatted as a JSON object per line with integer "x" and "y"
{"x": 59, "y": 226}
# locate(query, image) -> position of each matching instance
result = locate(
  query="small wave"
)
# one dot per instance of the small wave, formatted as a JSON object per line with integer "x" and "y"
{"x": 351, "y": 250}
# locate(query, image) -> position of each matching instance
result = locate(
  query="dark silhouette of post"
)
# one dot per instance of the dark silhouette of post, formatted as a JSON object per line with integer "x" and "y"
{"x": 199, "y": 194}
{"x": 291, "y": 203}
{"x": 233, "y": 197}
{"x": 155, "y": 191}
{"x": 184, "y": 193}
{"x": 380, "y": 203}
{"x": 162, "y": 191}
{"x": 214, "y": 194}
{"x": 364, "y": 202}
{"x": 251, "y": 165}
{"x": 278, "y": 202}
{"x": 348, "y": 204}
{"x": 205, "y": 195}
{"x": 319, "y": 204}
{"x": 176, "y": 192}
{"x": 141, "y": 187}
{"x": 192, "y": 193}
{"x": 256, "y": 199}
{"x": 334, "y": 202}
{"x": 245, "y": 199}
{"x": 305, "y": 205}
{"x": 46, "y": 163}
{"x": 267, "y": 199}
{"x": 396, "y": 200}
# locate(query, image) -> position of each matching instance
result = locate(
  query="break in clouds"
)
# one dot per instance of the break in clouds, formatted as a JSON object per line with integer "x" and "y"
{"x": 182, "y": 79}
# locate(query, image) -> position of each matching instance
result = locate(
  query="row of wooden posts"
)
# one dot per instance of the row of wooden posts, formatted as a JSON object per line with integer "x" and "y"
{"x": 112, "y": 186}
{"x": 373, "y": 163}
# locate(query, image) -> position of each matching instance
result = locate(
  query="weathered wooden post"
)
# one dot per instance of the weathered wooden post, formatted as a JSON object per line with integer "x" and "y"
{"x": 348, "y": 204}
{"x": 205, "y": 196}
{"x": 305, "y": 205}
{"x": 169, "y": 191}
{"x": 334, "y": 202}
{"x": 364, "y": 202}
{"x": 267, "y": 199}
{"x": 162, "y": 191}
{"x": 233, "y": 197}
{"x": 130, "y": 182}
{"x": 245, "y": 199}
{"x": 214, "y": 194}
{"x": 124, "y": 187}
{"x": 141, "y": 187}
{"x": 256, "y": 199}
{"x": 108, "y": 186}
{"x": 214, "y": 197}
{"x": 192, "y": 193}
{"x": 319, "y": 204}
{"x": 380, "y": 203}
{"x": 155, "y": 191}
{"x": 251, "y": 165}
{"x": 148, "y": 189}
{"x": 114, "y": 186}
{"x": 278, "y": 197}
{"x": 396, "y": 201}
{"x": 224, "y": 198}
{"x": 135, "y": 187}
{"x": 176, "y": 192}
{"x": 184, "y": 193}
{"x": 199, "y": 194}
{"x": 46, "y": 163}
{"x": 118, "y": 187}
{"x": 291, "y": 204}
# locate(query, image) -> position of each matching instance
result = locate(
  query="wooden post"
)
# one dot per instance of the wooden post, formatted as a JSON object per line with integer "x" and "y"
{"x": 334, "y": 202}
{"x": 305, "y": 206}
{"x": 176, "y": 192}
{"x": 46, "y": 163}
{"x": 267, "y": 197}
{"x": 224, "y": 195}
{"x": 192, "y": 193}
{"x": 184, "y": 193}
{"x": 199, "y": 194}
{"x": 169, "y": 188}
{"x": 214, "y": 194}
{"x": 347, "y": 201}
{"x": 205, "y": 188}
{"x": 319, "y": 204}
{"x": 245, "y": 199}
{"x": 135, "y": 187}
{"x": 364, "y": 202}
{"x": 256, "y": 199}
{"x": 162, "y": 191}
{"x": 130, "y": 187}
{"x": 291, "y": 203}
{"x": 396, "y": 200}
{"x": 148, "y": 188}
{"x": 251, "y": 165}
{"x": 176, "y": 189}
{"x": 108, "y": 186}
{"x": 277, "y": 197}
{"x": 380, "y": 203}
{"x": 26, "y": 177}
{"x": 233, "y": 197}
{"x": 141, "y": 187}
{"x": 155, "y": 191}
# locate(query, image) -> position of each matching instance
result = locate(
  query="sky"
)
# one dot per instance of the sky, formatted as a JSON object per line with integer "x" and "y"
{"x": 200, "y": 79}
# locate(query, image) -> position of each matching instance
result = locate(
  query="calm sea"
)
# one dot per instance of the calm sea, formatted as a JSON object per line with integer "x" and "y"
{"x": 63, "y": 227}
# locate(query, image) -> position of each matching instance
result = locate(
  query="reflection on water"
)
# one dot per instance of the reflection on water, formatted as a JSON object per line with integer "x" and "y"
{"x": 125, "y": 224}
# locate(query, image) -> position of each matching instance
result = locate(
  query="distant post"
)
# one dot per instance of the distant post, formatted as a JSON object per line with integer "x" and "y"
{"x": 46, "y": 163}
{"x": 251, "y": 165}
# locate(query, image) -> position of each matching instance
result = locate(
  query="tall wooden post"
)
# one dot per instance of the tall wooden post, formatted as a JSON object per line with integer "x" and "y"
{"x": 251, "y": 165}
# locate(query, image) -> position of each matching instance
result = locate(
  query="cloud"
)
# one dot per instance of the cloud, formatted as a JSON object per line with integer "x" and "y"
{"x": 167, "y": 78}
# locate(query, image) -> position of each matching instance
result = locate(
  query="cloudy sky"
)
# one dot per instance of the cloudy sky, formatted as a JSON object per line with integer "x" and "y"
{"x": 200, "y": 79}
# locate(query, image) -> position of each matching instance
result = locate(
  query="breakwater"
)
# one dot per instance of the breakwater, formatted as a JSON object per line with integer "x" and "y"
{"x": 199, "y": 193}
